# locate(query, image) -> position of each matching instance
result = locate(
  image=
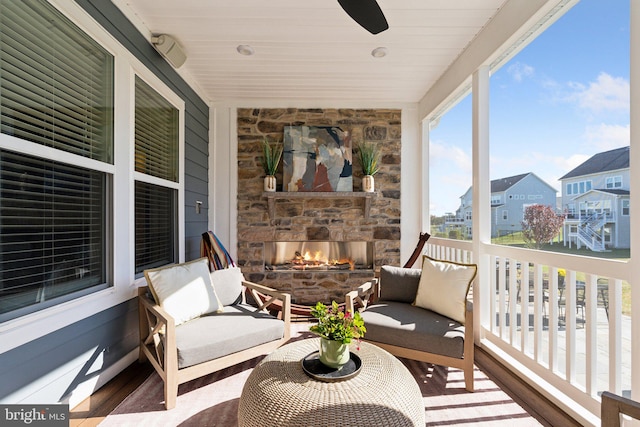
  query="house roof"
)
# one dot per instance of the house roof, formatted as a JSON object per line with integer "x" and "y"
{"x": 602, "y": 162}
{"x": 503, "y": 184}
{"x": 617, "y": 191}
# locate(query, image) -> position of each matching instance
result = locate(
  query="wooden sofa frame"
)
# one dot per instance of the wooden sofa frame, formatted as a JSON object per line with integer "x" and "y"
{"x": 367, "y": 293}
{"x": 613, "y": 406}
{"x": 158, "y": 340}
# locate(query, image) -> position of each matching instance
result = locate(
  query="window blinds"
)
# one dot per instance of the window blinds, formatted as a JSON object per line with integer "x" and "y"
{"x": 156, "y": 134}
{"x": 155, "y": 220}
{"x": 56, "y": 85}
{"x": 156, "y": 154}
{"x": 52, "y": 232}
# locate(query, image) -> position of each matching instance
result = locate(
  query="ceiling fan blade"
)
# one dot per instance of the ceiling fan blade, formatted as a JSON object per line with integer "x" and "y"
{"x": 367, "y": 13}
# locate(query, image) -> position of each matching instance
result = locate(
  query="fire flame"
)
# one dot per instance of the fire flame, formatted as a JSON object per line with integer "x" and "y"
{"x": 307, "y": 260}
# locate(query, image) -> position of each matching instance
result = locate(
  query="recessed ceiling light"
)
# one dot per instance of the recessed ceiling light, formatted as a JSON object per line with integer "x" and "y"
{"x": 379, "y": 52}
{"x": 245, "y": 49}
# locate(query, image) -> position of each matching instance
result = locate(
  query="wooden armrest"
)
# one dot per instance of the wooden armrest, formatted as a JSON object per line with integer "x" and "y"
{"x": 361, "y": 295}
{"x": 156, "y": 310}
{"x": 614, "y": 405}
{"x": 157, "y": 333}
{"x": 273, "y": 294}
{"x": 265, "y": 290}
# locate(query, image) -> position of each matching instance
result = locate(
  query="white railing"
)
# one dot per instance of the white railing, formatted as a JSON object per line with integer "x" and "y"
{"x": 549, "y": 325}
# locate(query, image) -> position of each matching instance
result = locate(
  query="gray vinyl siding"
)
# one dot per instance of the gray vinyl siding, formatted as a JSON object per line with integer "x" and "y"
{"x": 528, "y": 191}
{"x": 196, "y": 117}
{"x": 623, "y": 224}
{"x": 47, "y": 370}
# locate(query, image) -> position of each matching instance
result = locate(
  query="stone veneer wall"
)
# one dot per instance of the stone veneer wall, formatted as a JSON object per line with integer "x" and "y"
{"x": 317, "y": 218}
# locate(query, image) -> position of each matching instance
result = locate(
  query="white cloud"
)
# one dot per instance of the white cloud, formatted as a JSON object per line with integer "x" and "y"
{"x": 443, "y": 153}
{"x": 574, "y": 161}
{"x": 607, "y": 93}
{"x": 449, "y": 176}
{"x": 518, "y": 71}
{"x": 605, "y": 137}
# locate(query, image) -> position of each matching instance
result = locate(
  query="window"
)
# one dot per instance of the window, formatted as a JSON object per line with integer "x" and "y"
{"x": 613, "y": 182}
{"x": 57, "y": 83}
{"x": 495, "y": 200}
{"x": 156, "y": 155}
{"x": 625, "y": 207}
{"x": 56, "y": 90}
{"x": 578, "y": 187}
{"x": 449, "y": 182}
{"x": 505, "y": 215}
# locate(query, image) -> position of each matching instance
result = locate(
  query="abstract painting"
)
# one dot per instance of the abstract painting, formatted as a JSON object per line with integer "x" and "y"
{"x": 317, "y": 158}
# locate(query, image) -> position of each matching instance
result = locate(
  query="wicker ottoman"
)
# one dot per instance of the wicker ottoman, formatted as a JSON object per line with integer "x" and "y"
{"x": 278, "y": 392}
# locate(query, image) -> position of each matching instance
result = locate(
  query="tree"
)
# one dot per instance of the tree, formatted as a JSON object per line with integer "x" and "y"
{"x": 540, "y": 225}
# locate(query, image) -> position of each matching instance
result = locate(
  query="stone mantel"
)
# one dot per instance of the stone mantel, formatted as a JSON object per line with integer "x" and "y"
{"x": 273, "y": 196}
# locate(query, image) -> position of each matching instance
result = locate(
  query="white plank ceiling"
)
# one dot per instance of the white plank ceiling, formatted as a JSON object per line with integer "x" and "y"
{"x": 311, "y": 49}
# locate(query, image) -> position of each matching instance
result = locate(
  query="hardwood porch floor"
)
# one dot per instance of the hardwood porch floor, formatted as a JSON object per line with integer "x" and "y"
{"x": 96, "y": 408}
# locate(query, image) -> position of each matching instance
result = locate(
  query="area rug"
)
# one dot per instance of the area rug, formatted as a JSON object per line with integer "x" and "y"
{"x": 213, "y": 400}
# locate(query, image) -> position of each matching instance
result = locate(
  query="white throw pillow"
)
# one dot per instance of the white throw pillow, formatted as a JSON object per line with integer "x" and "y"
{"x": 444, "y": 286}
{"x": 227, "y": 283}
{"x": 185, "y": 290}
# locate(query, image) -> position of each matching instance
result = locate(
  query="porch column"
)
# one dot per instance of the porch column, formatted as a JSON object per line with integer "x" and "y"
{"x": 481, "y": 197}
{"x": 634, "y": 164}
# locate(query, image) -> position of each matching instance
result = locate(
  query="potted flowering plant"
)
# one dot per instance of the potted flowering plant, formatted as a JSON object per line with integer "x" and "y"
{"x": 336, "y": 328}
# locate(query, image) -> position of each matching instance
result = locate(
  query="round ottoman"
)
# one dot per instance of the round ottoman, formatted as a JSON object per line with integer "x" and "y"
{"x": 278, "y": 393}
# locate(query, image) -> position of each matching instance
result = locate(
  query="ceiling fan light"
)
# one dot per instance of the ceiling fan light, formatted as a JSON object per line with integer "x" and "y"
{"x": 245, "y": 49}
{"x": 379, "y": 52}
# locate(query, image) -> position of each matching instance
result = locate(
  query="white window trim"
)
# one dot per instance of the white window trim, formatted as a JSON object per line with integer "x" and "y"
{"x": 613, "y": 180}
{"x": 628, "y": 208}
{"x": 16, "y": 332}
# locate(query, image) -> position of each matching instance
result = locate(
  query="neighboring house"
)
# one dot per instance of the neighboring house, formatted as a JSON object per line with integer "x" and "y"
{"x": 509, "y": 198}
{"x": 595, "y": 198}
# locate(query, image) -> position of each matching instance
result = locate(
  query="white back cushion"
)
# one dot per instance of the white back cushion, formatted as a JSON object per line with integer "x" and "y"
{"x": 444, "y": 286}
{"x": 184, "y": 290}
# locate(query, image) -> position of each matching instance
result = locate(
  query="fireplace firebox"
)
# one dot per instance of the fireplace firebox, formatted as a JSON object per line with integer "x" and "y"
{"x": 318, "y": 256}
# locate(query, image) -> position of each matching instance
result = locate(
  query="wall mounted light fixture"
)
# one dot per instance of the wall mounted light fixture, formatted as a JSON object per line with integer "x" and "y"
{"x": 169, "y": 49}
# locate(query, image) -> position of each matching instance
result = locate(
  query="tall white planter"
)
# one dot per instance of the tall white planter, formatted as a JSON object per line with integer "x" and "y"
{"x": 368, "y": 184}
{"x": 270, "y": 183}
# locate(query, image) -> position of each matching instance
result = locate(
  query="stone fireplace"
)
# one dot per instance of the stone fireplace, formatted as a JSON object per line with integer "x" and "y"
{"x": 318, "y": 256}
{"x": 356, "y": 229}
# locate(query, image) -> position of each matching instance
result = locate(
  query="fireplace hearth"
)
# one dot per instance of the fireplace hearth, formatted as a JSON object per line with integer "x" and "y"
{"x": 318, "y": 256}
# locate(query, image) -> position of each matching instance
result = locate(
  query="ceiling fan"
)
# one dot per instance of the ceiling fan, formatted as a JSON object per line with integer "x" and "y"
{"x": 367, "y": 13}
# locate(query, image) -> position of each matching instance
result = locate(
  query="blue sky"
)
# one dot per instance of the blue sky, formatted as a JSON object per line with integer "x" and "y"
{"x": 560, "y": 100}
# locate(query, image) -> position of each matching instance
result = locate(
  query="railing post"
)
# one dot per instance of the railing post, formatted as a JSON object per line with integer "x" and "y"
{"x": 615, "y": 335}
{"x": 591, "y": 300}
